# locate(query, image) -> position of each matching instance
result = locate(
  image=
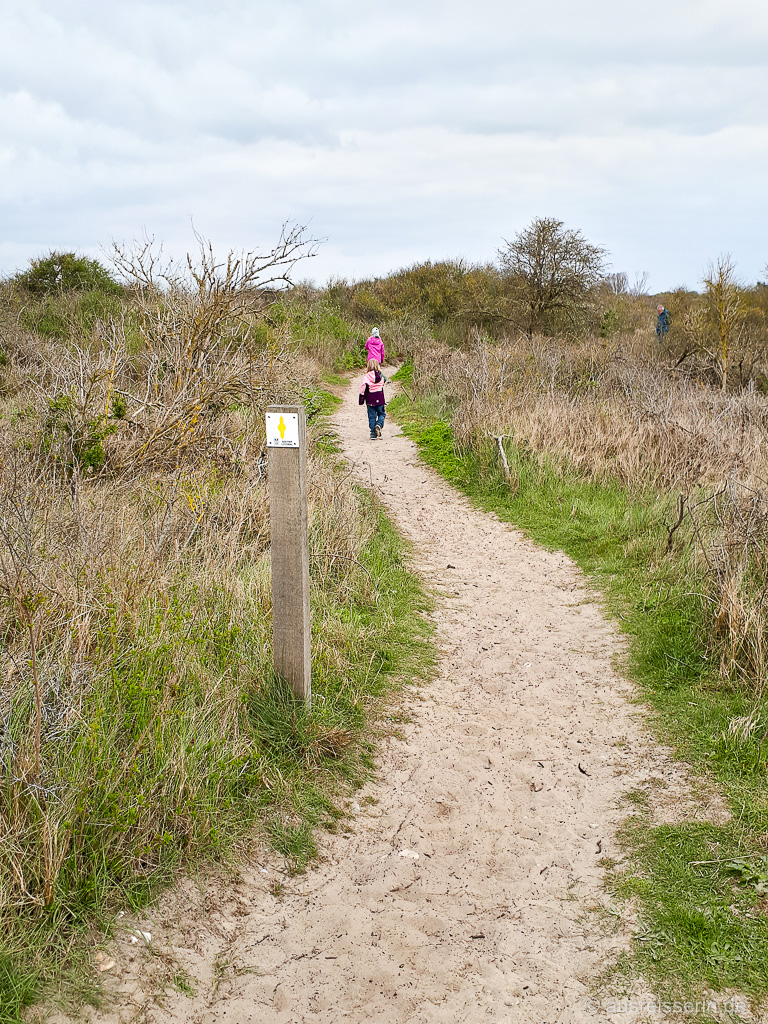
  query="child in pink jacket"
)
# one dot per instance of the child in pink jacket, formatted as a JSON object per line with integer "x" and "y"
{"x": 374, "y": 347}
{"x": 372, "y": 396}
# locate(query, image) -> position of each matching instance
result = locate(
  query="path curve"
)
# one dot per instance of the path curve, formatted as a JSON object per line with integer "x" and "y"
{"x": 507, "y": 785}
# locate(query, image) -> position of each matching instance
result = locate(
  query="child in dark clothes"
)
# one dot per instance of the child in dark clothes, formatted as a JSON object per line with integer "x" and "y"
{"x": 372, "y": 396}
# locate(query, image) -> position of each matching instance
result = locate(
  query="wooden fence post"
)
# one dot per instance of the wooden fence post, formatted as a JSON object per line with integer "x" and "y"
{"x": 287, "y": 476}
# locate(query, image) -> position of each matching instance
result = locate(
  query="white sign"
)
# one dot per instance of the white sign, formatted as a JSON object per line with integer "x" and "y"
{"x": 282, "y": 430}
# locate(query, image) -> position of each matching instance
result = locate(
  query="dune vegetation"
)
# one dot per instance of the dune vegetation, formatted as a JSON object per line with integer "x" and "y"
{"x": 141, "y": 727}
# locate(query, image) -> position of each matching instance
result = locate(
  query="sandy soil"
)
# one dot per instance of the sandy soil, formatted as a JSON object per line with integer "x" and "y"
{"x": 465, "y": 891}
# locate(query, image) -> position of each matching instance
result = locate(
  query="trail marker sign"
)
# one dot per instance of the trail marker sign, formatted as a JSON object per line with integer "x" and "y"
{"x": 283, "y": 430}
{"x": 287, "y": 483}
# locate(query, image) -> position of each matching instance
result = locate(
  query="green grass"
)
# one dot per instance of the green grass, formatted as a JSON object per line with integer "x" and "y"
{"x": 320, "y": 402}
{"x": 701, "y": 921}
{"x": 185, "y": 742}
{"x": 18, "y": 988}
{"x": 334, "y": 379}
{"x": 701, "y": 924}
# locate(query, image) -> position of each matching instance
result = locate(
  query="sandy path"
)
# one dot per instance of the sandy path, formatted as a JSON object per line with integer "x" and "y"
{"x": 507, "y": 785}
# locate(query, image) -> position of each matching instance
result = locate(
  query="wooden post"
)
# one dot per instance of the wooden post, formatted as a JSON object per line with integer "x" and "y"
{"x": 287, "y": 475}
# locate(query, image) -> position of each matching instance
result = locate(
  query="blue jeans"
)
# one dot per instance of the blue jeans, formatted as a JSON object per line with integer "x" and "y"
{"x": 376, "y": 414}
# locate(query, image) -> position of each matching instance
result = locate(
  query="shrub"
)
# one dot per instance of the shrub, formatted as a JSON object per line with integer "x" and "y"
{"x": 551, "y": 269}
{"x": 66, "y": 272}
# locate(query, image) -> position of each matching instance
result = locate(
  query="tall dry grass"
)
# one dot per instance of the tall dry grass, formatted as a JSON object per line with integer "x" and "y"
{"x": 619, "y": 410}
{"x": 139, "y": 720}
{"x": 611, "y": 408}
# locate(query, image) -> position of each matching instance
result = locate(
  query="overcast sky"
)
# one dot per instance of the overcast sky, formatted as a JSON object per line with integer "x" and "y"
{"x": 399, "y": 131}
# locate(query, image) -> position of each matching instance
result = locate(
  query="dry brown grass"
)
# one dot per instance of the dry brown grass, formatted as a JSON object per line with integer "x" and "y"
{"x": 134, "y": 584}
{"x": 611, "y": 408}
{"x": 618, "y": 410}
{"x": 95, "y": 491}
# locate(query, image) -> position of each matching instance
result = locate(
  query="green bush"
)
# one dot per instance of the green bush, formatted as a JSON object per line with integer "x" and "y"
{"x": 66, "y": 272}
{"x": 72, "y": 314}
{"x": 610, "y": 323}
{"x": 74, "y": 438}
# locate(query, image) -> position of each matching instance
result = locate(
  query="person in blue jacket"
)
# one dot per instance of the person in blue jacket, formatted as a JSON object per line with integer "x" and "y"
{"x": 662, "y": 322}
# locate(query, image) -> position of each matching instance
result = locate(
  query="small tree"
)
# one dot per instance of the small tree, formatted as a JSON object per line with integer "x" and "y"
{"x": 618, "y": 282}
{"x": 725, "y": 310}
{"x": 552, "y": 268}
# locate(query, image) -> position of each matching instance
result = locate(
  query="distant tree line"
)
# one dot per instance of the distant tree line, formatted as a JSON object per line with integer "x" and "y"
{"x": 547, "y": 280}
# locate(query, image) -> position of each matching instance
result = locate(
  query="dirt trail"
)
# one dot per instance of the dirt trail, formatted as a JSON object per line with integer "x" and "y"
{"x": 507, "y": 785}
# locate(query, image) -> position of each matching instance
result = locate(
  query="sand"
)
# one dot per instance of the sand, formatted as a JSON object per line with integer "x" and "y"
{"x": 465, "y": 888}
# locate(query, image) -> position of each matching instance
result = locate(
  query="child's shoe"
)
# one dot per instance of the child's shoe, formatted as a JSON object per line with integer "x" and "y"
{"x": 378, "y": 430}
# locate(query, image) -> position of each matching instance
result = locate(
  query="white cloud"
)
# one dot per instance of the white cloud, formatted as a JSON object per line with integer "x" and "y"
{"x": 402, "y": 130}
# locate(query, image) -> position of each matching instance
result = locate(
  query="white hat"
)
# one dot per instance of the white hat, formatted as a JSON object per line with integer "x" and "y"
{"x": 375, "y": 332}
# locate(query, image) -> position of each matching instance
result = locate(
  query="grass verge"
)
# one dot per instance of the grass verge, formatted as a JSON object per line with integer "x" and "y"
{"x": 701, "y": 889}
{"x": 184, "y": 714}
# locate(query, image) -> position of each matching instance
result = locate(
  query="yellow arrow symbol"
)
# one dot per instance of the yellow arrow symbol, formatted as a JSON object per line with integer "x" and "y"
{"x": 281, "y": 428}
